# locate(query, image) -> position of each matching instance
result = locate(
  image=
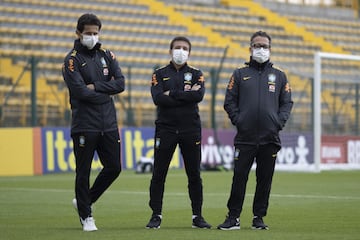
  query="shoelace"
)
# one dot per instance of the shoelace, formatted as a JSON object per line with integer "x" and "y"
{"x": 229, "y": 220}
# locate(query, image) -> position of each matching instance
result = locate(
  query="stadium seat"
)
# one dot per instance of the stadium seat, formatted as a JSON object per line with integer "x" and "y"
{"x": 139, "y": 36}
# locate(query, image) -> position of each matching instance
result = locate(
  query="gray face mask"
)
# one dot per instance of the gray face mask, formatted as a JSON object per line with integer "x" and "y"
{"x": 180, "y": 56}
{"x": 260, "y": 55}
{"x": 89, "y": 41}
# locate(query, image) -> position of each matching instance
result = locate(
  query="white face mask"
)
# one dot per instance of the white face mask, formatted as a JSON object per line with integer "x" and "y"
{"x": 89, "y": 41}
{"x": 180, "y": 56}
{"x": 260, "y": 55}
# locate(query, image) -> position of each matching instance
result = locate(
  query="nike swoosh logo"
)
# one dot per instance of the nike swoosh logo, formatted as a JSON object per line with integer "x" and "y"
{"x": 197, "y": 143}
{"x": 165, "y": 79}
{"x": 246, "y": 78}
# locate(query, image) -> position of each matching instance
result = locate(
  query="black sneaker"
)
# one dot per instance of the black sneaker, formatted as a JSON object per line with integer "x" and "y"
{"x": 154, "y": 222}
{"x": 199, "y": 222}
{"x": 230, "y": 223}
{"x": 259, "y": 224}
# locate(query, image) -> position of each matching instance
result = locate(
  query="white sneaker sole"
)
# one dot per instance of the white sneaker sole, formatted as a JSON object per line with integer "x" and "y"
{"x": 260, "y": 228}
{"x": 90, "y": 229}
{"x": 152, "y": 227}
{"x": 228, "y": 229}
{"x": 193, "y": 226}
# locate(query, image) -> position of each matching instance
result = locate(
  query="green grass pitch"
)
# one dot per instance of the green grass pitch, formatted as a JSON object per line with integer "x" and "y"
{"x": 303, "y": 206}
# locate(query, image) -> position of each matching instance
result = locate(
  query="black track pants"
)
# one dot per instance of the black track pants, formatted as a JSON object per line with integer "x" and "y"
{"x": 107, "y": 146}
{"x": 190, "y": 147}
{"x": 265, "y": 156}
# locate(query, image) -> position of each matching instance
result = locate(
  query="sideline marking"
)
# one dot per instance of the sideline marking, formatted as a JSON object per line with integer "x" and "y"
{"x": 186, "y": 194}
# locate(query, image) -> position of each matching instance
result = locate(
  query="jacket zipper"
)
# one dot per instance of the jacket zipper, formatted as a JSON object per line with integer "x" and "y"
{"x": 258, "y": 108}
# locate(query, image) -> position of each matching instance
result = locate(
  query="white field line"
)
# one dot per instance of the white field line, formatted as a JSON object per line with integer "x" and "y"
{"x": 273, "y": 195}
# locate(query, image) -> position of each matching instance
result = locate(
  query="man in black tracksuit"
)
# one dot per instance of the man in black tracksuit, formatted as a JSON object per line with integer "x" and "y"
{"x": 92, "y": 75}
{"x": 258, "y": 102}
{"x": 176, "y": 91}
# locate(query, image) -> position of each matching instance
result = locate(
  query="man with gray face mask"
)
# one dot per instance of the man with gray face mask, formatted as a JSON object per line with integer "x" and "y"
{"x": 176, "y": 89}
{"x": 258, "y": 103}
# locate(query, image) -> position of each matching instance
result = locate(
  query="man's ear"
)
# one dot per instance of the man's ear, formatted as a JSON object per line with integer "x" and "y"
{"x": 78, "y": 33}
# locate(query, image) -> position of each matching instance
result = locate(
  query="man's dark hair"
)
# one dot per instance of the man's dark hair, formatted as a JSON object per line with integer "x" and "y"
{"x": 261, "y": 34}
{"x": 180, "y": 38}
{"x": 87, "y": 19}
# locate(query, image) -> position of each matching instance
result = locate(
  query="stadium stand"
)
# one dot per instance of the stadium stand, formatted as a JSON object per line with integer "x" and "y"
{"x": 139, "y": 32}
{"x": 339, "y": 27}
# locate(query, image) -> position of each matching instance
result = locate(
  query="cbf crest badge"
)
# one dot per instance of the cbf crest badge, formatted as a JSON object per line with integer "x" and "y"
{"x": 81, "y": 141}
{"x": 103, "y": 62}
{"x": 271, "y": 82}
{"x": 236, "y": 154}
{"x": 157, "y": 143}
{"x": 105, "y": 68}
{"x": 187, "y": 81}
{"x": 187, "y": 76}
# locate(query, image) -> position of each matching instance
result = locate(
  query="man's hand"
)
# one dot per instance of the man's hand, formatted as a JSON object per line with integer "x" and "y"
{"x": 91, "y": 86}
{"x": 195, "y": 87}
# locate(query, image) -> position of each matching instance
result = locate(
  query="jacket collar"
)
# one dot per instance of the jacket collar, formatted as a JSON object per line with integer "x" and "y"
{"x": 259, "y": 66}
{"x": 81, "y": 48}
{"x": 181, "y": 68}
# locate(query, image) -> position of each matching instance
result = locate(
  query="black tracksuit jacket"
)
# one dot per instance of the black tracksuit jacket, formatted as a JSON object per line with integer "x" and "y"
{"x": 258, "y": 102}
{"x": 178, "y": 112}
{"x": 92, "y": 111}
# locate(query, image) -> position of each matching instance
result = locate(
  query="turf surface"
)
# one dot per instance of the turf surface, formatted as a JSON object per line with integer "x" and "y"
{"x": 303, "y": 206}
